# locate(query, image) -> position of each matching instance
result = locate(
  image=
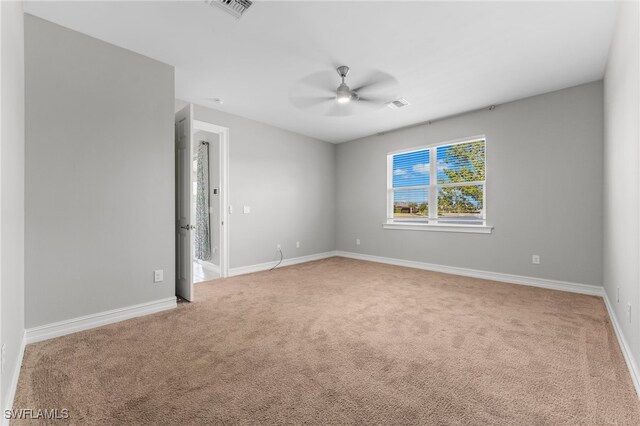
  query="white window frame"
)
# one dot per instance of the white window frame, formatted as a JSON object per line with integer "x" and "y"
{"x": 432, "y": 222}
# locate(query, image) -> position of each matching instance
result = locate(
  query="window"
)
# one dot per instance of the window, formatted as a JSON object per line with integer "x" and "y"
{"x": 441, "y": 186}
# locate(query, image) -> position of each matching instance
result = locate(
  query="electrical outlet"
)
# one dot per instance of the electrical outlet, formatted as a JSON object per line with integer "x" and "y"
{"x": 3, "y": 357}
{"x": 535, "y": 259}
{"x": 629, "y": 311}
{"x": 158, "y": 275}
{"x": 297, "y": 244}
{"x": 357, "y": 241}
{"x": 618, "y": 294}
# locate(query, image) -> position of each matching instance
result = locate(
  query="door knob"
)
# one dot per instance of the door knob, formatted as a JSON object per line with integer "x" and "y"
{"x": 188, "y": 227}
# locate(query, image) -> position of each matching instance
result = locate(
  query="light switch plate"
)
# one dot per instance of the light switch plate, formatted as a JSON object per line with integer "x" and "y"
{"x": 158, "y": 275}
{"x": 246, "y": 210}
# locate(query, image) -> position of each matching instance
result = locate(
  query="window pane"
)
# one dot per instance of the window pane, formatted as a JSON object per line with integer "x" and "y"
{"x": 410, "y": 203}
{"x": 464, "y": 162}
{"x": 411, "y": 169}
{"x": 460, "y": 202}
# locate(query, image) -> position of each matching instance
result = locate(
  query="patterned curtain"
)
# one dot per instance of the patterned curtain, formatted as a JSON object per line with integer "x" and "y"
{"x": 203, "y": 238}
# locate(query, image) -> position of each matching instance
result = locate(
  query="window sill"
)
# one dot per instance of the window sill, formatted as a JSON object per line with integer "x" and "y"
{"x": 439, "y": 227}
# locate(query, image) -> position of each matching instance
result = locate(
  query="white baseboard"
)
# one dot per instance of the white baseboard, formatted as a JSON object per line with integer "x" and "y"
{"x": 624, "y": 346}
{"x": 286, "y": 262}
{"x": 486, "y": 275}
{"x": 61, "y": 328}
{"x": 14, "y": 381}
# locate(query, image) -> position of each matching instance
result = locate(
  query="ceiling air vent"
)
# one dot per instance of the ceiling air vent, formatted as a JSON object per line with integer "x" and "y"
{"x": 398, "y": 103}
{"x": 236, "y": 8}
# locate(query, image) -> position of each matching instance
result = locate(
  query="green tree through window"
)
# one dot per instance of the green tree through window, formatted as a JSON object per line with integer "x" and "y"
{"x": 462, "y": 163}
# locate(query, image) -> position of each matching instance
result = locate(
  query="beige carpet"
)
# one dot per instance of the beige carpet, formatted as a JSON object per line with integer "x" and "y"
{"x": 341, "y": 341}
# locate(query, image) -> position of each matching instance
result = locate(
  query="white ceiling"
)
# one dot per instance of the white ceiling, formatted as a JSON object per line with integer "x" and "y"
{"x": 446, "y": 57}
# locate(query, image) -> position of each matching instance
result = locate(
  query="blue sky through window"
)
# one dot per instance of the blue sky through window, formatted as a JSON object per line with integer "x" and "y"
{"x": 411, "y": 169}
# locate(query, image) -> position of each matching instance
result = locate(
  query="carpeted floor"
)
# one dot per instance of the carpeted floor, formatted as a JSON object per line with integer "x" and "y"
{"x": 342, "y": 341}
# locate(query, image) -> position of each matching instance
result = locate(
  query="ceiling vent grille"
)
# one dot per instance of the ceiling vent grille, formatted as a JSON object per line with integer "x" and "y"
{"x": 235, "y": 8}
{"x": 398, "y": 103}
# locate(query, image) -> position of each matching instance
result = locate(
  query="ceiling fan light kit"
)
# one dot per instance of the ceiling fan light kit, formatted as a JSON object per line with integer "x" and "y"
{"x": 343, "y": 93}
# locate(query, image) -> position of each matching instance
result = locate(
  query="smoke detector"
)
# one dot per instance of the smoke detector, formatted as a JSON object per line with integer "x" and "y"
{"x": 398, "y": 103}
{"x": 235, "y": 8}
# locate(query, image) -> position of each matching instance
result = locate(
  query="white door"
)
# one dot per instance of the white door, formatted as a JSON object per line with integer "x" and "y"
{"x": 184, "y": 165}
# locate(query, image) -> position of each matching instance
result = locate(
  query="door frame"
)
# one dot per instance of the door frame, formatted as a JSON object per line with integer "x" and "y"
{"x": 223, "y": 155}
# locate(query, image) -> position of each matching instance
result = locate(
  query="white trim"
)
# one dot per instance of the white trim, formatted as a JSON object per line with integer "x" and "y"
{"x": 225, "y": 186}
{"x": 432, "y": 207}
{"x": 207, "y": 127}
{"x": 456, "y": 184}
{"x": 14, "y": 381}
{"x": 439, "y": 227}
{"x": 390, "y": 193}
{"x": 486, "y": 275}
{"x": 73, "y": 325}
{"x": 241, "y": 270}
{"x": 624, "y": 346}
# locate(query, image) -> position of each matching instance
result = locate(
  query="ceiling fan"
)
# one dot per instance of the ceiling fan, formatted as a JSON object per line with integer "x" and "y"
{"x": 320, "y": 94}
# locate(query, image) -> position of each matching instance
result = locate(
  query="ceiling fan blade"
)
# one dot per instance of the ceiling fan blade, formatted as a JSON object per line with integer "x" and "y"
{"x": 378, "y": 81}
{"x": 322, "y": 82}
{"x": 309, "y": 102}
{"x": 374, "y": 99}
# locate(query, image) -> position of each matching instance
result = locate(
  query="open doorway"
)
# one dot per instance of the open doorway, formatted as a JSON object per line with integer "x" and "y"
{"x": 201, "y": 200}
{"x": 205, "y": 211}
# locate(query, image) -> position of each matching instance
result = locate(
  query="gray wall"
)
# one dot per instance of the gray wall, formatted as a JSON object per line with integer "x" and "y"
{"x": 622, "y": 174}
{"x": 99, "y": 175}
{"x": 12, "y": 191}
{"x": 544, "y": 190}
{"x": 287, "y": 179}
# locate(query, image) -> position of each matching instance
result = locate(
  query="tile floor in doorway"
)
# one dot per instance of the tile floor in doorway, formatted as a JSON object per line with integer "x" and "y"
{"x": 201, "y": 274}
